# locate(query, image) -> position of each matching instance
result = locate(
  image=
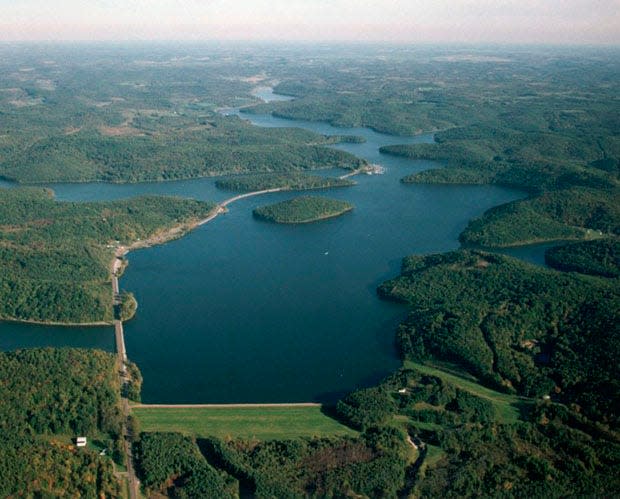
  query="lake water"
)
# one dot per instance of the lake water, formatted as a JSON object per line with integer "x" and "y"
{"x": 245, "y": 311}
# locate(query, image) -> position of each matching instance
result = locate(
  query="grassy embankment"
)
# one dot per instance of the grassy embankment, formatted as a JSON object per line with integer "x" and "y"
{"x": 262, "y": 423}
{"x": 507, "y": 407}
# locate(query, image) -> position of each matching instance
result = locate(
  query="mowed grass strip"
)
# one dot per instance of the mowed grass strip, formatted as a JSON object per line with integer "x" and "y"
{"x": 507, "y": 406}
{"x": 261, "y": 423}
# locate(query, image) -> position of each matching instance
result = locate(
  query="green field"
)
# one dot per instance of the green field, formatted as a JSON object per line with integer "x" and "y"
{"x": 262, "y": 423}
{"x": 507, "y": 406}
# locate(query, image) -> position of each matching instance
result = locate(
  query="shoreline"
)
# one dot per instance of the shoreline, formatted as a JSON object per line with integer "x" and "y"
{"x": 180, "y": 230}
{"x": 163, "y": 236}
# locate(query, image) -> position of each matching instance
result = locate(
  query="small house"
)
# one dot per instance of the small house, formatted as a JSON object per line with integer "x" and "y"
{"x": 80, "y": 441}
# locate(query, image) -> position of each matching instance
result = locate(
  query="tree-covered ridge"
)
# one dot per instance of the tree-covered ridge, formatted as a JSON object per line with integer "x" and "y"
{"x": 565, "y": 214}
{"x": 171, "y": 463}
{"x": 536, "y": 158}
{"x": 561, "y": 168}
{"x": 600, "y": 257}
{"x": 284, "y": 181}
{"x": 418, "y": 396}
{"x": 225, "y": 147}
{"x": 64, "y": 392}
{"x": 371, "y": 465}
{"x": 302, "y": 209}
{"x": 515, "y": 326}
{"x": 56, "y": 255}
{"x": 362, "y": 99}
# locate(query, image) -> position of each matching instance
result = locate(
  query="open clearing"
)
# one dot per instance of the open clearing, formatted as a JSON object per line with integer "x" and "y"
{"x": 262, "y": 423}
{"x": 508, "y": 407}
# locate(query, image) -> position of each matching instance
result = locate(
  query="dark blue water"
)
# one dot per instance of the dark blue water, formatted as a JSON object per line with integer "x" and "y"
{"x": 245, "y": 311}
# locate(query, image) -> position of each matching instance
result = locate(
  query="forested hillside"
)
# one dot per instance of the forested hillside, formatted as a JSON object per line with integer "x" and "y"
{"x": 49, "y": 397}
{"x": 515, "y": 326}
{"x": 56, "y": 255}
{"x": 472, "y": 441}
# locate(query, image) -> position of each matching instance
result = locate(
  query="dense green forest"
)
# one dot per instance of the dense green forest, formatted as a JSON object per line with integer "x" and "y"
{"x": 302, "y": 209}
{"x": 600, "y": 257}
{"x": 576, "y": 213}
{"x": 172, "y": 463}
{"x": 48, "y": 397}
{"x": 224, "y": 147}
{"x": 372, "y": 465}
{"x": 288, "y": 181}
{"x": 515, "y": 326}
{"x": 56, "y": 255}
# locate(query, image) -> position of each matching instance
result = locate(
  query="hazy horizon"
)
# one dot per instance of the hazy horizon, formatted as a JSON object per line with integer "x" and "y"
{"x": 569, "y": 22}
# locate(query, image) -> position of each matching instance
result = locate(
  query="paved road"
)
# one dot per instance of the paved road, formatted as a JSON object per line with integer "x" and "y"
{"x": 134, "y": 484}
{"x": 223, "y": 204}
{"x": 221, "y": 208}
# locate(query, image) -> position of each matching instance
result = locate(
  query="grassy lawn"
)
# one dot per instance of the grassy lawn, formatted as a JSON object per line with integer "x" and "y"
{"x": 262, "y": 423}
{"x": 433, "y": 456}
{"x": 507, "y": 406}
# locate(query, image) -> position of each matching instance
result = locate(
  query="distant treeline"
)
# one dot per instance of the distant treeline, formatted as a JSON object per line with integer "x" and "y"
{"x": 221, "y": 146}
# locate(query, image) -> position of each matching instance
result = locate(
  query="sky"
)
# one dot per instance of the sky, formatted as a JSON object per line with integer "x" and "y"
{"x": 474, "y": 21}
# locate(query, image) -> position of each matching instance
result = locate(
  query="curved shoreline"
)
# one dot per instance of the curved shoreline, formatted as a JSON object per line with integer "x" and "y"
{"x": 117, "y": 265}
{"x": 180, "y": 230}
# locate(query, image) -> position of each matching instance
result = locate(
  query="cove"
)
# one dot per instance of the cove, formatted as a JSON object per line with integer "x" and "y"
{"x": 245, "y": 311}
